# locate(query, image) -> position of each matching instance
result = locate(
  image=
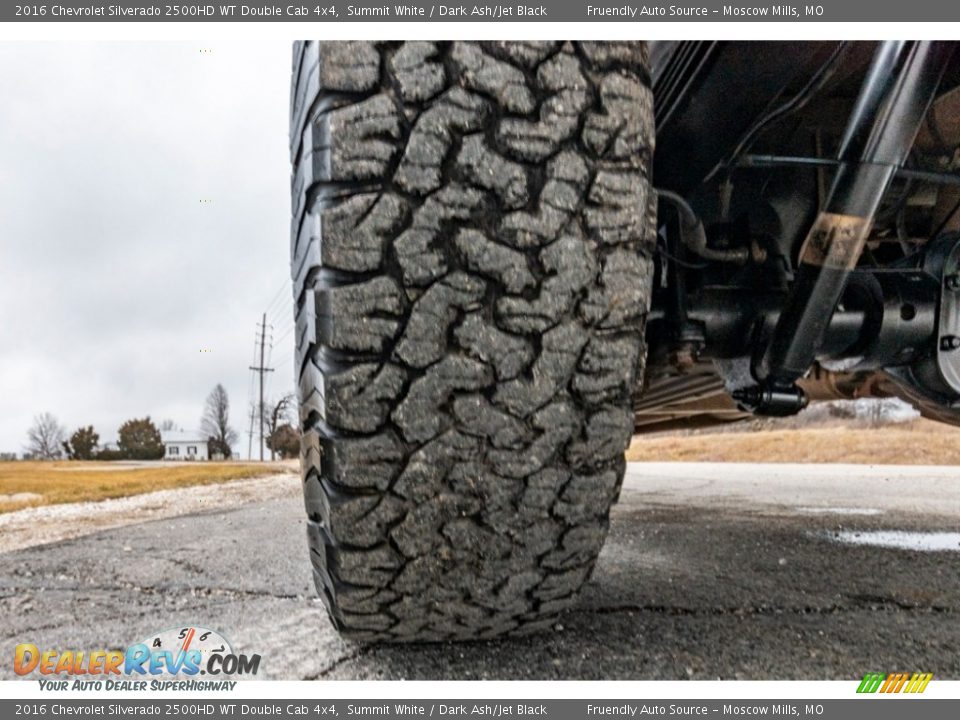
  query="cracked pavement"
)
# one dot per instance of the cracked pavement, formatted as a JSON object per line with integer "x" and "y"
{"x": 710, "y": 571}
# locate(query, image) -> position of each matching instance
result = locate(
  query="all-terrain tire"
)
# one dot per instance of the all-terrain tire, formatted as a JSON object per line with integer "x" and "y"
{"x": 471, "y": 241}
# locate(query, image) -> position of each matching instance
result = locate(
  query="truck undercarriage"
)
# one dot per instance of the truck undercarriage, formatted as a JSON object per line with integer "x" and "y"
{"x": 807, "y": 245}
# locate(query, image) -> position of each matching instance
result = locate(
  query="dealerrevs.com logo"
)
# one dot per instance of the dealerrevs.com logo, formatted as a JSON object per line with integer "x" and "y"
{"x": 168, "y": 660}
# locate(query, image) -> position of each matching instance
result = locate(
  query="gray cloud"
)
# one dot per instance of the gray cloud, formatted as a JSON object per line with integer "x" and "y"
{"x": 113, "y": 274}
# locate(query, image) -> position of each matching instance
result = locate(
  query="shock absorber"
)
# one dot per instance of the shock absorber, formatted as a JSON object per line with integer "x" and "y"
{"x": 893, "y": 99}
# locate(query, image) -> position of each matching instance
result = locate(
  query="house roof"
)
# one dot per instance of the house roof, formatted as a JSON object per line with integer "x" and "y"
{"x": 179, "y": 436}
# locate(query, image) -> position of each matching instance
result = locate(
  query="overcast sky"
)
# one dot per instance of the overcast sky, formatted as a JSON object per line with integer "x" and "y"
{"x": 113, "y": 274}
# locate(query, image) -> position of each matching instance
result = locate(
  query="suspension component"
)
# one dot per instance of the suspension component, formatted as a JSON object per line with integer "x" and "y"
{"x": 693, "y": 235}
{"x": 895, "y": 94}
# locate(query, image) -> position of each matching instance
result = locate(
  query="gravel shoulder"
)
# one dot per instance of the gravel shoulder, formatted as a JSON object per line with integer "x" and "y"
{"x": 56, "y": 523}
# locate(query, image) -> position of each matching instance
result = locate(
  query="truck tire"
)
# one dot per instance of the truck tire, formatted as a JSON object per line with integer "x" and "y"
{"x": 471, "y": 243}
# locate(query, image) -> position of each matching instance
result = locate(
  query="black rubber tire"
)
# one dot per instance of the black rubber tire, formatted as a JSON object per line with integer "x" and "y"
{"x": 471, "y": 242}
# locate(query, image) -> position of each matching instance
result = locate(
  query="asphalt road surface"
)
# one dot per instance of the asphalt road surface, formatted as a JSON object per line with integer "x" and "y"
{"x": 710, "y": 571}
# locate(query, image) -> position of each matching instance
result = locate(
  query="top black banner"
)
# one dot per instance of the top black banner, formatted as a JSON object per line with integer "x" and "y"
{"x": 332, "y": 11}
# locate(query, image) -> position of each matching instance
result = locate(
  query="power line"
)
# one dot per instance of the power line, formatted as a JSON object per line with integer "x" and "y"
{"x": 269, "y": 363}
{"x": 285, "y": 334}
{"x": 284, "y": 282}
{"x": 282, "y": 319}
{"x": 262, "y": 369}
{"x": 272, "y": 306}
{"x": 253, "y": 360}
{"x": 277, "y": 344}
{"x": 280, "y": 324}
{"x": 285, "y": 358}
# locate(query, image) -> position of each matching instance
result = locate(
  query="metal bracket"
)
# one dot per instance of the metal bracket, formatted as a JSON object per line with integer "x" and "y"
{"x": 948, "y": 346}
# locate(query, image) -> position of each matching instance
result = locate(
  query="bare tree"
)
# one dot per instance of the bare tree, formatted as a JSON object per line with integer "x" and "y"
{"x": 215, "y": 422}
{"x": 166, "y": 425}
{"x": 45, "y": 437}
{"x": 279, "y": 414}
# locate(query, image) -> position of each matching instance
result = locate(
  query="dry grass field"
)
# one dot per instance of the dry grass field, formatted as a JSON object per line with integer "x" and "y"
{"x": 920, "y": 442}
{"x": 28, "y": 484}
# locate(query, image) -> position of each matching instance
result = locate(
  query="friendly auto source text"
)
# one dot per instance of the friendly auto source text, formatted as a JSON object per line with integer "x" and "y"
{"x": 631, "y": 711}
{"x": 633, "y": 11}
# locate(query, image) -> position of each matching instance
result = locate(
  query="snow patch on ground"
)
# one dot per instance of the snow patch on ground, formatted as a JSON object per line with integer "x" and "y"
{"x": 53, "y": 523}
{"x": 884, "y": 411}
{"x": 19, "y": 497}
{"x": 901, "y": 540}
{"x": 838, "y": 511}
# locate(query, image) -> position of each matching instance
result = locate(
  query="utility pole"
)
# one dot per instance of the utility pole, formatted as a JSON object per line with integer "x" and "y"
{"x": 261, "y": 370}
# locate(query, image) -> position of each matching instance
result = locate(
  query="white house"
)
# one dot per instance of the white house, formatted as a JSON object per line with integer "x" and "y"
{"x": 181, "y": 445}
